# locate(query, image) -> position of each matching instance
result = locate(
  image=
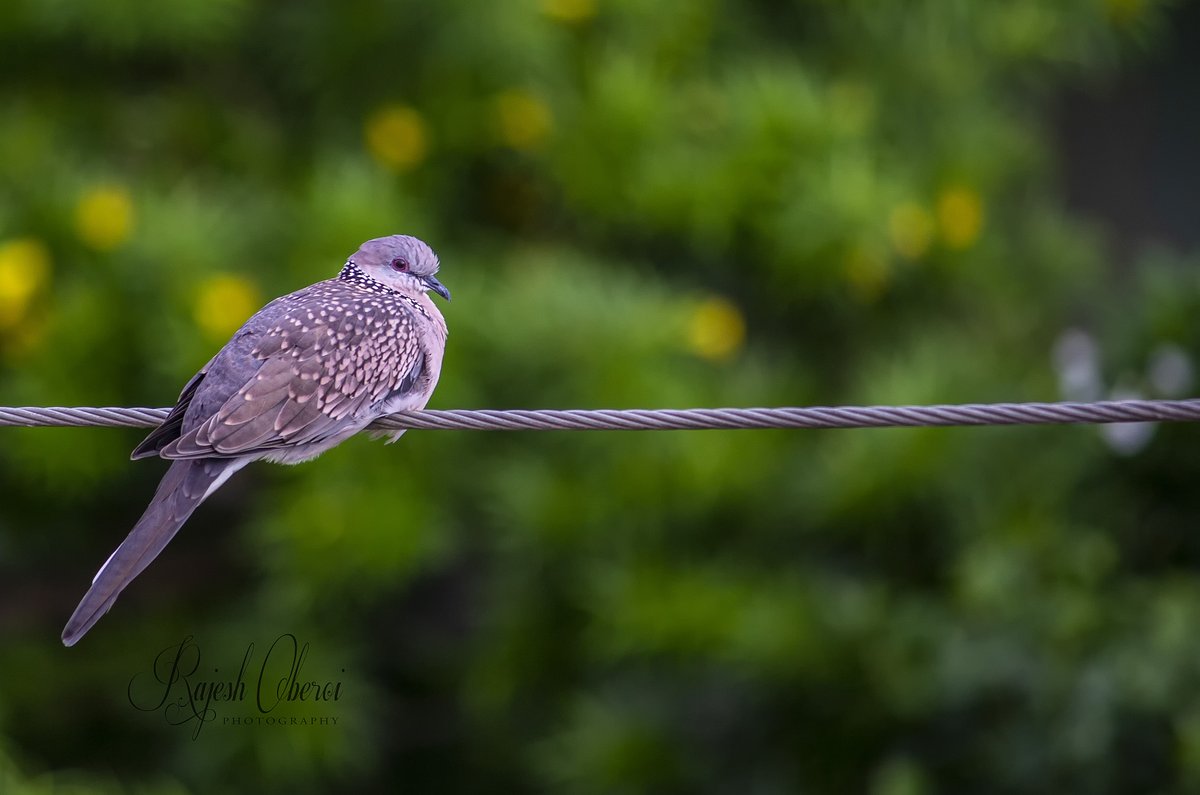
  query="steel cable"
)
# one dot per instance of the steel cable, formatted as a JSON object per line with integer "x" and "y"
{"x": 683, "y": 419}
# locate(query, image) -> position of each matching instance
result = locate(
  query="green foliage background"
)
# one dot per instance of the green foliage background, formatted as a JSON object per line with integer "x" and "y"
{"x": 636, "y": 204}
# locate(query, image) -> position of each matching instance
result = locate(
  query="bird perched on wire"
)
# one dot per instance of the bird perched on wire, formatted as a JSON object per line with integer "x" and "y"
{"x": 306, "y": 372}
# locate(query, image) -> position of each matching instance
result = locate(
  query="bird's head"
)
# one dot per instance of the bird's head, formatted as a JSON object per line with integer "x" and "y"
{"x": 401, "y": 262}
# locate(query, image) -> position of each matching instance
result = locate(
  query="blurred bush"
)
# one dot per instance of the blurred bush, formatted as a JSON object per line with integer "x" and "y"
{"x": 637, "y": 204}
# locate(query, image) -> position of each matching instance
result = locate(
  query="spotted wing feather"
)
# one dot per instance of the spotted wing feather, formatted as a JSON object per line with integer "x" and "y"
{"x": 320, "y": 364}
{"x": 172, "y": 426}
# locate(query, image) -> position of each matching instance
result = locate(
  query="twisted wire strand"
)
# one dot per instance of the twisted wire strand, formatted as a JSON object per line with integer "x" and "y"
{"x": 1109, "y": 411}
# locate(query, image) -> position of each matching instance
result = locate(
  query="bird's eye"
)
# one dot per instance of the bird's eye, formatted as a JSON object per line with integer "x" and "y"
{"x": 400, "y": 264}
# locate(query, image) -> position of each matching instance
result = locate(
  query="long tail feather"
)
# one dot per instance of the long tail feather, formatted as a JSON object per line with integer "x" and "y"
{"x": 183, "y": 488}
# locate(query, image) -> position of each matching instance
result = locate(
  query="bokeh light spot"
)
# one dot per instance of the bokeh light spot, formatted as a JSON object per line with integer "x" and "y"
{"x": 523, "y": 120}
{"x": 867, "y": 271}
{"x": 1123, "y": 13}
{"x": 852, "y": 107}
{"x": 910, "y": 227}
{"x": 104, "y": 217}
{"x": 223, "y": 303}
{"x": 960, "y": 215}
{"x": 569, "y": 12}
{"x": 397, "y": 137}
{"x": 24, "y": 269}
{"x": 716, "y": 329}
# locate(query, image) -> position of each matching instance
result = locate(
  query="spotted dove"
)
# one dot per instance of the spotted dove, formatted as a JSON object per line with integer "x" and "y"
{"x": 307, "y": 371}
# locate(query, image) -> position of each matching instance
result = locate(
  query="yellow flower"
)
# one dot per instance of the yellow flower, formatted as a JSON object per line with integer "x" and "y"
{"x": 104, "y": 217}
{"x": 910, "y": 227}
{"x": 715, "y": 329}
{"x": 960, "y": 215}
{"x": 569, "y": 12}
{"x": 24, "y": 269}
{"x": 397, "y": 137}
{"x": 523, "y": 120}
{"x": 223, "y": 303}
{"x": 867, "y": 270}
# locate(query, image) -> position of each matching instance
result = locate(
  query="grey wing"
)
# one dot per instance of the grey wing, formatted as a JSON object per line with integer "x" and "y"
{"x": 318, "y": 367}
{"x": 236, "y": 366}
{"x": 172, "y": 426}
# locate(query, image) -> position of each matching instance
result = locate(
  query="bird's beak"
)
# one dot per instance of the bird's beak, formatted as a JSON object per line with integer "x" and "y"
{"x": 433, "y": 284}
